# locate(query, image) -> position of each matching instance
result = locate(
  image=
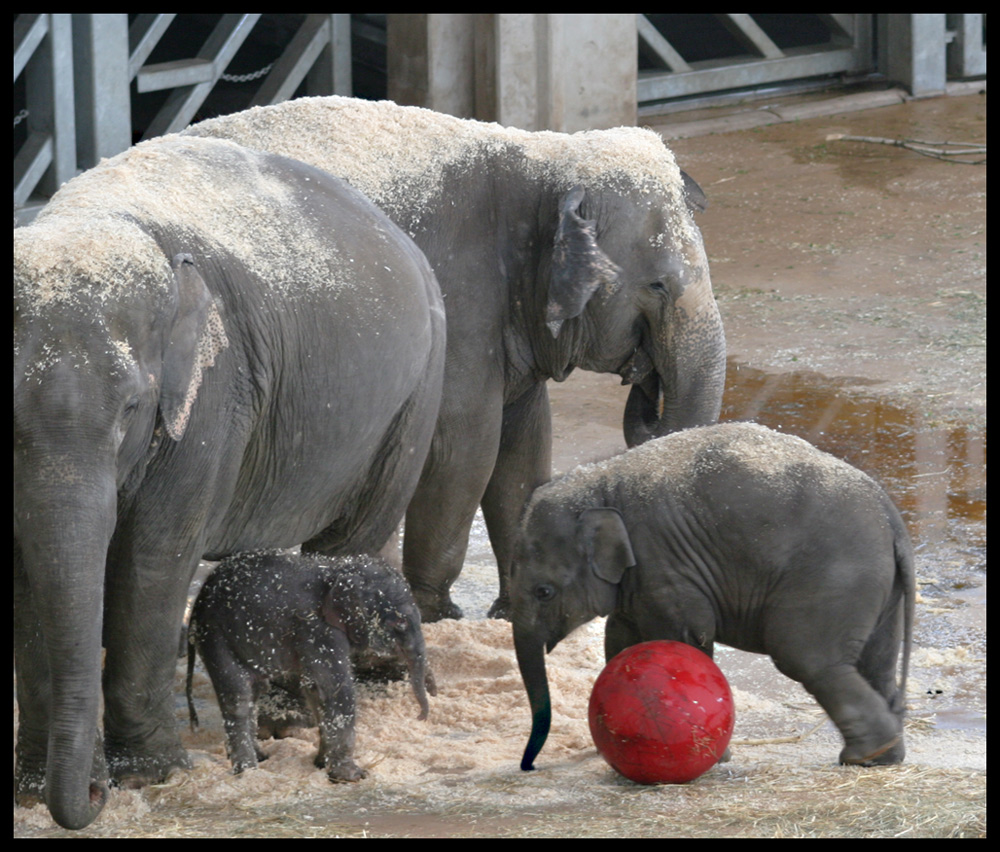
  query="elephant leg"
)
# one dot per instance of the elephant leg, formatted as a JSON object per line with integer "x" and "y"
{"x": 440, "y": 515}
{"x": 145, "y": 598}
{"x": 524, "y": 461}
{"x": 619, "y": 633}
{"x": 877, "y": 665}
{"x": 868, "y": 726}
{"x": 236, "y": 692}
{"x": 329, "y": 692}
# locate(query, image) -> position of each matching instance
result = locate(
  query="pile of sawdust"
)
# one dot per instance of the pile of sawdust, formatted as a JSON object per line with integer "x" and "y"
{"x": 457, "y": 774}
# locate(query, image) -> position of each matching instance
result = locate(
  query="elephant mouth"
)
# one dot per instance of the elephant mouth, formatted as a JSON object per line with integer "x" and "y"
{"x": 636, "y": 369}
{"x": 644, "y": 410}
{"x": 640, "y": 371}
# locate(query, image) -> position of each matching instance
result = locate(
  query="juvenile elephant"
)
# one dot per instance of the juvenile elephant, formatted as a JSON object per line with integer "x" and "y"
{"x": 553, "y": 251}
{"x": 215, "y": 350}
{"x": 734, "y": 534}
{"x": 266, "y": 616}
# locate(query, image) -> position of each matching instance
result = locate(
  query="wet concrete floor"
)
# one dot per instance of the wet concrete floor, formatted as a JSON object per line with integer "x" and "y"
{"x": 934, "y": 471}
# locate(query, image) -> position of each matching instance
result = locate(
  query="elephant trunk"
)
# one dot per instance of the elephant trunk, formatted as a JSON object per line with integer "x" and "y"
{"x": 684, "y": 387}
{"x": 421, "y": 678}
{"x": 530, "y": 651}
{"x": 64, "y": 541}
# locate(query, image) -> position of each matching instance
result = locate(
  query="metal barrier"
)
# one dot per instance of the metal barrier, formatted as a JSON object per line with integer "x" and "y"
{"x": 78, "y": 69}
{"x": 89, "y": 89}
{"x": 687, "y": 55}
{"x": 747, "y": 50}
{"x": 43, "y": 53}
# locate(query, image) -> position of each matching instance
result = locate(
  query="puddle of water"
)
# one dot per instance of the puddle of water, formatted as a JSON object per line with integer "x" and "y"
{"x": 936, "y": 475}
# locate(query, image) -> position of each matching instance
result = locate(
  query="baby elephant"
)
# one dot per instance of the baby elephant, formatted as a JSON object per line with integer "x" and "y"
{"x": 734, "y": 534}
{"x": 296, "y": 619}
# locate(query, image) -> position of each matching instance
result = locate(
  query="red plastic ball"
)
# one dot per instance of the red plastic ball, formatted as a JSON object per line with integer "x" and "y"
{"x": 661, "y": 713}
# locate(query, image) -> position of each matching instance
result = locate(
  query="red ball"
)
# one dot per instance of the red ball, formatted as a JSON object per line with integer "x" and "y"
{"x": 661, "y": 713}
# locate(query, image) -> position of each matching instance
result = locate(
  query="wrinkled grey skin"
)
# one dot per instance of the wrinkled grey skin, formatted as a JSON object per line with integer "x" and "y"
{"x": 214, "y": 351}
{"x": 546, "y": 264}
{"x": 734, "y": 534}
{"x": 298, "y": 619}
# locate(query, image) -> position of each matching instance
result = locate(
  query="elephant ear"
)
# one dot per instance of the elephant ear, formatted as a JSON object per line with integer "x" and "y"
{"x": 606, "y": 543}
{"x": 196, "y": 337}
{"x": 579, "y": 266}
{"x": 343, "y": 607}
{"x": 694, "y": 197}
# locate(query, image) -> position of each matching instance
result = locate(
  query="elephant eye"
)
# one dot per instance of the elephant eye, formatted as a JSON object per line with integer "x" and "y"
{"x": 130, "y": 407}
{"x": 670, "y": 287}
{"x": 545, "y": 592}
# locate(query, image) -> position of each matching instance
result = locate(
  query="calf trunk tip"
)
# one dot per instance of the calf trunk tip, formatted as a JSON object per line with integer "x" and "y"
{"x": 539, "y": 733}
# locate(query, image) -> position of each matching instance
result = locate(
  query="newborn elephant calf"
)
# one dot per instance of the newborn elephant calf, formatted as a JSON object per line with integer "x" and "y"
{"x": 730, "y": 533}
{"x": 296, "y": 619}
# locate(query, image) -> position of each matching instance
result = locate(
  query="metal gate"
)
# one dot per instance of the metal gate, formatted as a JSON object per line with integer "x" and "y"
{"x": 685, "y": 55}
{"x": 82, "y": 78}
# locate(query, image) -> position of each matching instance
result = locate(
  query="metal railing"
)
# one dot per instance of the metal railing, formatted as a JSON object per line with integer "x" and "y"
{"x": 78, "y": 72}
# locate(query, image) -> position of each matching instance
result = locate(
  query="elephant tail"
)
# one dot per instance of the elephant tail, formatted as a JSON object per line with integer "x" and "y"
{"x": 192, "y": 651}
{"x": 906, "y": 576}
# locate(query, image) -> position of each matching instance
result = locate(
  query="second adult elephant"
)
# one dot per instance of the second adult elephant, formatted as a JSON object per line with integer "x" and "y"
{"x": 553, "y": 251}
{"x": 215, "y": 350}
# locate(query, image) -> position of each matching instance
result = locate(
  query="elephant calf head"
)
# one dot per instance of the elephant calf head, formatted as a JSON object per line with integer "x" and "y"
{"x": 561, "y": 579}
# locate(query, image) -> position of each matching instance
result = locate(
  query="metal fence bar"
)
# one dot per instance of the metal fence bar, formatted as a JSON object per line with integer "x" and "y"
{"x": 295, "y": 62}
{"x": 847, "y": 49}
{"x": 100, "y": 72}
{"x": 332, "y": 72}
{"x": 220, "y": 47}
{"x": 43, "y": 50}
{"x": 750, "y": 35}
{"x": 746, "y": 72}
{"x": 29, "y": 30}
{"x": 144, "y": 34}
{"x": 656, "y": 42}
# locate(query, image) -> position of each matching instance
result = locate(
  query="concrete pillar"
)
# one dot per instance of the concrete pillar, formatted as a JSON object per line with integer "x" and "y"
{"x": 430, "y": 62}
{"x": 593, "y": 62}
{"x": 534, "y": 71}
{"x": 557, "y": 71}
{"x": 912, "y": 52}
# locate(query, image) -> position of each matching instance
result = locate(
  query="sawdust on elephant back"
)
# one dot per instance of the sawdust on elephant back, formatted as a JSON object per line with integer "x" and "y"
{"x": 411, "y": 151}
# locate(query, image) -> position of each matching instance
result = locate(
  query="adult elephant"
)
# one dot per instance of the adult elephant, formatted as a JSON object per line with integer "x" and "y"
{"x": 215, "y": 350}
{"x": 553, "y": 251}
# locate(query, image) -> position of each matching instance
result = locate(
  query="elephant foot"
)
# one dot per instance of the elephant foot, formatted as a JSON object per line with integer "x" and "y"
{"x": 892, "y": 756}
{"x": 500, "y": 609}
{"x": 132, "y": 770}
{"x": 856, "y": 755}
{"x": 29, "y": 781}
{"x": 346, "y": 772}
{"x": 437, "y": 609}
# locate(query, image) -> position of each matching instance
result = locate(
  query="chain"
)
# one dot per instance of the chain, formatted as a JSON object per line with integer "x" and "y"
{"x": 246, "y": 78}
{"x": 228, "y": 78}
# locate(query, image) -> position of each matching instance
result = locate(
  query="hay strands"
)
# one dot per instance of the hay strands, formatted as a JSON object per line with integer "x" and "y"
{"x": 947, "y": 151}
{"x": 796, "y": 738}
